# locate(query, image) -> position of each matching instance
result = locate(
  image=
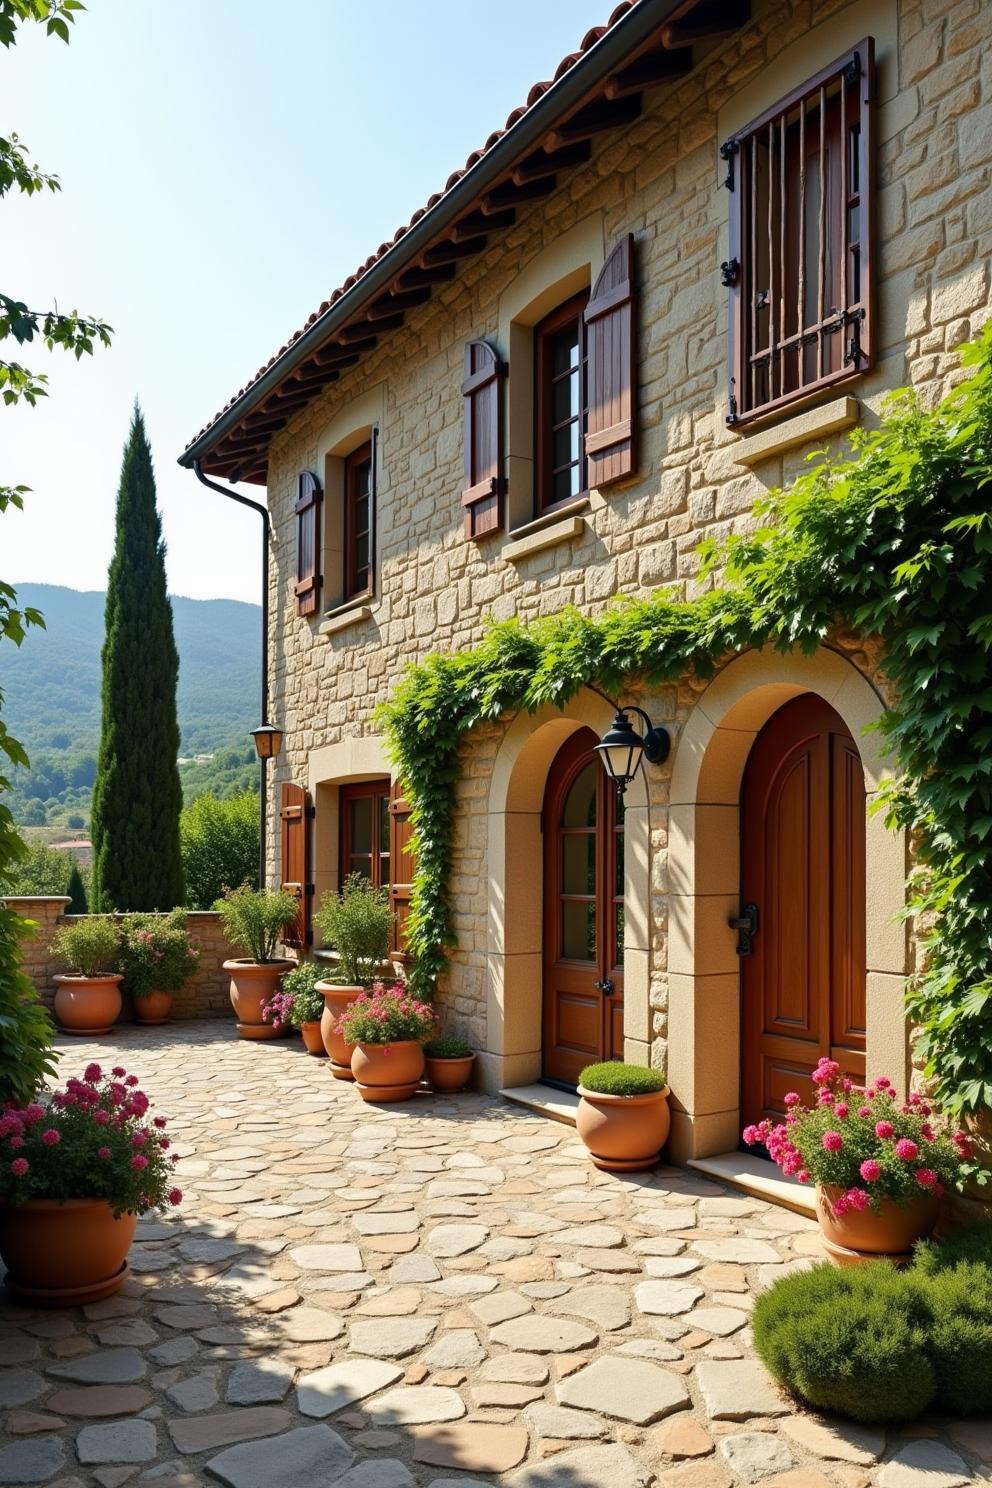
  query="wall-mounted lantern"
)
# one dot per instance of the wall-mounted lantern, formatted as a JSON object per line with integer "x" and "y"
{"x": 622, "y": 748}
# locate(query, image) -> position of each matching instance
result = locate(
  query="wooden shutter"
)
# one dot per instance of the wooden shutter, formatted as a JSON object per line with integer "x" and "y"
{"x": 610, "y": 320}
{"x": 402, "y": 866}
{"x": 308, "y": 578}
{"x": 482, "y": 393}
{"x": 294, "y": 821}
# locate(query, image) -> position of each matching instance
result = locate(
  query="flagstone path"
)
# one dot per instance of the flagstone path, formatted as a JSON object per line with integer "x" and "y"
{"x": 443, "y": 1293}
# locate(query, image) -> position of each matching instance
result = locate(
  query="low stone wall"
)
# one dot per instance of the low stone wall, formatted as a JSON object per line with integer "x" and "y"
{"x": 205, "y": 995}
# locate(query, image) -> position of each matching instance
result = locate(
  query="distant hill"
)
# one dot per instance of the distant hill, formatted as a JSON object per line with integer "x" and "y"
{"x": 52, "y": 694}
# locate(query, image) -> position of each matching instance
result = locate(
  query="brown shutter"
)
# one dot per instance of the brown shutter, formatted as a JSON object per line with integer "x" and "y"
{"x": 611, "y": 430}
{"x": 294, "y": 820}
{"x": 482, "y": 394}
{"x": 402, "y": 866}
{"x": 308, "y": 577}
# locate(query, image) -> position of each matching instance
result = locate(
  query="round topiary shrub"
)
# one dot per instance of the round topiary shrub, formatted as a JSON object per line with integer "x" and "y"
{"x": 959, "y": 1337}
{"x": 848, "y": 1341}
{"x": 447, "y": 1046}
{"x": 614, "y": 1078}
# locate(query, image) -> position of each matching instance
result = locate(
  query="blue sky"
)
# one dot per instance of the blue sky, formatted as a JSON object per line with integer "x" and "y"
{"x": 225, "y": 164}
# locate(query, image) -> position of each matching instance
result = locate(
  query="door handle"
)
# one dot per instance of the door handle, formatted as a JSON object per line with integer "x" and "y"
{"x": 606, "y": 985}
{"x": 746, "y": 925}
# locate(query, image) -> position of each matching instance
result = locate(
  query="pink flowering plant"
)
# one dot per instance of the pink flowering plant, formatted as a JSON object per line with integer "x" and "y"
{"x": 278, "y": 1009}
{"x": 864, "y": 1141}
{"x": 156, "y": 953}
{"x": 94, "y": 1139}
{"x": 387, "y": 1015}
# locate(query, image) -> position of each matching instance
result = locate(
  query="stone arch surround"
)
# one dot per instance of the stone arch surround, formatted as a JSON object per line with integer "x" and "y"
{"x": 704, "y": 879}
{"x": 514, "y": 949}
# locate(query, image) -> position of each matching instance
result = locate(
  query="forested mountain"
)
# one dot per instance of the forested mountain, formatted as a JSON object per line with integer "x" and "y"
{"x": 52, "y": 703}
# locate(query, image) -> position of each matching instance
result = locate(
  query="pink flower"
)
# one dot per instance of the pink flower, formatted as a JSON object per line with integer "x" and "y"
{"x": 139, "y": 1138}
{"x": 33, "y": 1113}
{"x": 926, "y": 1177}
{"x": 792, "y": 1099}
{"x": 833, "y": 1141}
{"x": 857, "y": 1198}
{"x": 870, "y": 1170}
{"x": 842, "y": 1205}
{"x": 841, "y": 1109}
{"x": 92, "y": 1074}
{"x": 802, "y": 1176}
{"x": 883, "y": 1082}
{"x": 884, "y": 1129}
{"x": 175, "y": 1195}
{"x": 19, "y": 1166}
{"x": 101, "y": 1118}
{"x": 118, "y": 1071}
{"x": 864, "y": 1110}
{"x": 131, "y": 1080}
{"x": 104, "y": 1153}
{"x": 51, "y": 1137}
{"x": 159, "y": 1121}
{"x": 139, "y": 1162}
{"x": 907, "y": 1149}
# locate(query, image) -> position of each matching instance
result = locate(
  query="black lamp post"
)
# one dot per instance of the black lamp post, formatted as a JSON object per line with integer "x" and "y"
{"x": 268, "y": 742}
{"x": 622, "y": 748}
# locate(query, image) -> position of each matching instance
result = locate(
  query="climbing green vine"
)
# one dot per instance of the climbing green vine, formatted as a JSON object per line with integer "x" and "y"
{"x": 895, "y": 541}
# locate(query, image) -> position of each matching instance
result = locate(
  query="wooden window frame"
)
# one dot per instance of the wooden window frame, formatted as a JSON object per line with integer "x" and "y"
{"x": 572, "y": 310}
{"x": 853, "y": 320}
{"x": 363, "y": 455}
{"x": 377, "y": 790}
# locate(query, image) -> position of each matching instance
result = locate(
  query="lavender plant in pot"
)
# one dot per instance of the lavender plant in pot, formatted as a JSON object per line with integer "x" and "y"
{"x": 358, "y": 924}
{"x": 300, "y": 1003}
{"x": 254, "y": 920}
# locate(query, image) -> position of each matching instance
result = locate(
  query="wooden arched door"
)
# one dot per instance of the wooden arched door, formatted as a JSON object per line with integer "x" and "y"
{"x": 582, "y": 1018}
{"x": 803, "y": 866}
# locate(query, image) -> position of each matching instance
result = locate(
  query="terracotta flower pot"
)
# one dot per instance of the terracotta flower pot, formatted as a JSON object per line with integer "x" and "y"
{"x": 64, "y": 1254}
{"x": 87, "y": 1004}
{"x": 153, "y": 1008}
{"x": 450, "y": 1074}
{"x": 624, "y": 1133}
{"x": 252, "y": 983}
{"x": 387, "y": 1072}
{"x": 312, "y": 1038}
{"x": 337, "y": 1000}
{"x": 863, "y": 1235}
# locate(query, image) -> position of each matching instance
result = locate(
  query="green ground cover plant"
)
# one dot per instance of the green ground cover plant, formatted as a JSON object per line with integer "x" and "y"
{"x": 615, "y": 1078}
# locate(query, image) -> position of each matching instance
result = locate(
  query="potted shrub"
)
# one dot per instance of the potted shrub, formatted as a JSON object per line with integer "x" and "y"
{"x": 299, "y": 1004}
{"x": 74, "y": 1176}
{"x": 156, "y": 958}
{"x": 449, "y": 1062}
{"x": 879, "y": 1164}
{"x": 88, "y": 995}
{"x": 386, "y": 1029}
{"x": 358, "y": 923}
{"x": 254, "y": 920}
{"x": 623, "y": 1115}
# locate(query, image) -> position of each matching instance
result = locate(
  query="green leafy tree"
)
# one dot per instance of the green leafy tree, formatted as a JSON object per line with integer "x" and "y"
{"x": 43, "y": 870}
{"x": 138, "y": 797}
{"x": 219, "y": 846}
{"x": 76, "y": 889}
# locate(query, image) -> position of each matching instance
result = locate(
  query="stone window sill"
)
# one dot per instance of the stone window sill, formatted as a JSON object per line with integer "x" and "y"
{"x": 802, "y": 428}
{"x": 545, "y": 534}
{"x": 344, "y": 617}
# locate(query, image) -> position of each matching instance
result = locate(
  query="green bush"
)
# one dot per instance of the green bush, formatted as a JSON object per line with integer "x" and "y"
{"x": 219, "y": 844}
{"x": 614, "y": 1078}
{"x": 76, "y": 889}
{"x": 358, "y": 923}
{"x": 43, "y": 870}
{"x": 958, "y": 1300}
{"x": 301, "y": 985}
{"x": 254, "y": 919}
{"x": 156, "y": 953}
{"x": 447, "y": 1046}
{"x": 847, "y": 1341}
{"x": 973, "y": 1243}
{"x": 89, "y": 948}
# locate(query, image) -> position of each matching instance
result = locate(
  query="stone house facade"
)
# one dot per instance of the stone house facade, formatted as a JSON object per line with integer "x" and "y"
{"x": 652, "y": 177}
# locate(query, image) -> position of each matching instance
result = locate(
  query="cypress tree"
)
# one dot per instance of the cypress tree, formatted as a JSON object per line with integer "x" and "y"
{"x": 76, "y": 890}
{"x": 137, "y": 796}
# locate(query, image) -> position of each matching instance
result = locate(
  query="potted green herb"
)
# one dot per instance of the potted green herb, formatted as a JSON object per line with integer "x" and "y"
{"x": 386, "y": 1028}
{"x": 88, "y": 996}
{"x": 358, "y": 924}
{"x": 305, "y": 1004}
{"x": 156, "y": 957}
{"x": 623, "y": 1115}
{"x": 254, "y": 920}
{"x": 449, "y": 1062}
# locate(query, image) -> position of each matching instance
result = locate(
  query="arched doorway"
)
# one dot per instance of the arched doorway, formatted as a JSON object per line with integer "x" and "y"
{"x": 583, "y": 830}
{"x": 803, "y": 867}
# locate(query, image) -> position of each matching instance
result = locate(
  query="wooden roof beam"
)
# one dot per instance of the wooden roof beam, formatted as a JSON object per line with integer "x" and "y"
{"x": 477, "y": 222}
{"x": 449, "y": 252}
{"x": 646, "y": 71}
{"x": 335, "y": 355}
{"x": 436, "y": 274}
{"x": 403, "y": 299}
{"x": 360, "y": 330}
{"x": 704, "y": 20}
{"x": 508, "y": 193}
{"x": 595, "y": 118}
{"x": 542, "y": 164}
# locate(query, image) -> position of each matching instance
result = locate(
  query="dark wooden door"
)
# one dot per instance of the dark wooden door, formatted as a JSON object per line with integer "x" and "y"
{"x": 583, "y": 913}
{"x": 803, "y": 865}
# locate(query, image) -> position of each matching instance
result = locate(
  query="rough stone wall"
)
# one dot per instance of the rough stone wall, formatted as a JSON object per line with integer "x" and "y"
{"x": 661, "y": 179}
{"x": 205, "y": 995}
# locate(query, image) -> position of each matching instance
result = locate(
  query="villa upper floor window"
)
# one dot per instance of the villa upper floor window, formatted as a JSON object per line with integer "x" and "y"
{"x": 561, "y": 405}
{"x": 801, "y": 239}
{"x": 359, "y": 514}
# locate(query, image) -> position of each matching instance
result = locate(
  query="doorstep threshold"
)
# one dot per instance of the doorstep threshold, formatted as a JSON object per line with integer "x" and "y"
{"x": 759, "y": 1178}
{"x": 559, "y": 1105}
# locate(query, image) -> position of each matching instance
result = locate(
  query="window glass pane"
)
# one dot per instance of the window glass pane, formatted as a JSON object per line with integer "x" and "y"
{"x": 360, "y": 863}
{"x": 578, "y": 930}
{"x": 619, "y": 932}
{"x": 580, "y": 803}
{"x": 565, "y": 348}
{"x": 361, "y": 824}
{"x": 565, "y": 484}
{"x": 618, "y": 838}
{"x": 565, "y": 446}
{"x": 361, "y": 558}
{"x": 565, "y": 399}
{"x": 578, "y": 864}
{"x": 384, "y": 824}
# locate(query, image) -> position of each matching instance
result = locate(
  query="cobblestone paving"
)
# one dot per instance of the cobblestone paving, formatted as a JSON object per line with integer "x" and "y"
{"x": 443, "y": 1293}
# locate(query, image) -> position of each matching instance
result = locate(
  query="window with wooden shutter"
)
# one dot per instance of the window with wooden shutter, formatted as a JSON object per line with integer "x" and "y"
{"x": 611, "y": 394}
{"x": 482, "y": 397}
{"x": 365, "y": 831}
{"x": 294, "y": 821}
{"x": 801, "y": 239}
{"x": 359, "y": 520}
{"x": 560, "y": 464}
{"x": 308, "y": 578}
{"x": 403, "y": 864}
